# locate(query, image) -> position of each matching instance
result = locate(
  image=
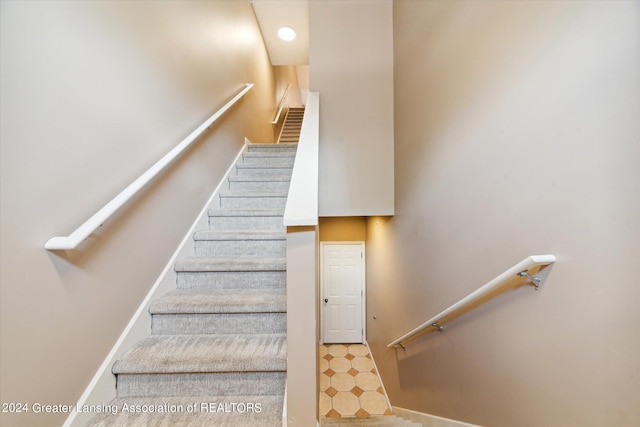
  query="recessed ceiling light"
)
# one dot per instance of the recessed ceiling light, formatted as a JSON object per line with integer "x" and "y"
{"x": 286, "y": 34}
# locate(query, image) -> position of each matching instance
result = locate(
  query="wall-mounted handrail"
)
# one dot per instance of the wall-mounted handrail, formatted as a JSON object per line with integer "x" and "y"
{"x": 302, "y": 200}
{"x": 81, "y": 233}
{"x": 281, "y": 105}
{"x": 520, "y": 269}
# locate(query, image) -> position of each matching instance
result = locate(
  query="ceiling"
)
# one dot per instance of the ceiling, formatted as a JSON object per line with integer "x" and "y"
{"x": 273, "y": 14}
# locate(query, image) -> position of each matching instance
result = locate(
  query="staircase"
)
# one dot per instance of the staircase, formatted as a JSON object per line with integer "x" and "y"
{"x": 217, "y": 350}
{"x": 291, "y": 128}
{"x": 378, "y": 421}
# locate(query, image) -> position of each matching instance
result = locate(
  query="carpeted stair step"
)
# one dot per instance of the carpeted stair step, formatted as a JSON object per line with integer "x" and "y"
{"x": 157, "y": 365}
{"x": 243, "y": 219}
{"x": 231, "y": 264}
{"x": 253, "y": 147}
{"x": 262, "y": 156}
{"x": 279, "y": 167}
{"x": 267, "y": 161}
{"x": 216, "y": 311}
{"x": 241, "y": 243}
{"x": 206, "y": 410}
{"x": 259, "y": 182}
{"x": 253, "y": 199}
{"x": 373, "y": 421}
{"x": 216, "y": 273}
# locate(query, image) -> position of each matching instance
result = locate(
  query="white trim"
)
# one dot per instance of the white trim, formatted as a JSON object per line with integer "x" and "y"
{"x": 428, "y": 420}
{"x": 89, "y": 226}
{"x": 102, "y": 388}
{"x": 364, "y": 286}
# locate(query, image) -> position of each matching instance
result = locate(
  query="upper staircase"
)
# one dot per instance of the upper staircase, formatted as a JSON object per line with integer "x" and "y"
{"x": 292, "y": 125}
{"x": 217, "y": 350}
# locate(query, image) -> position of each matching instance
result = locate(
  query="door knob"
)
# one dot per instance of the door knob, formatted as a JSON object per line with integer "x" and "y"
{"x": 326, "y": 300}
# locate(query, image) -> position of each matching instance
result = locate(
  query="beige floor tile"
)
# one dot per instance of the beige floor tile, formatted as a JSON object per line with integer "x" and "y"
{"x": 346, "y": 403}
{"x": 342, "y": 381}
{"x": 339, "y": 364}
{"x": 322, "y": 350}
{"x": 358, "y": 349}
{"x": 373, "y": 402}
{"x": 367, "y": 381}
{"x": 323, "y": 382}
{"x": 324, "y": 405}
{"x": 323, "y": 365}
{"x": 362, "y": 364}
{"x": 348, "y": 383}
{"x": 337, "y": 350}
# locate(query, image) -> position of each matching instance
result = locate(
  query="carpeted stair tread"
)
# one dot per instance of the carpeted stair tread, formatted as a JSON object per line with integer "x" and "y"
{"x": 257, "y": 194}
{"x": 164, "y": 354}
{"x": 187, "y": 301}
{"x": 246, "y": 212}
{"x": 267, "y": 147}
{"x": 268, "y": 154}
{"x": 248, "y": 235}
{"x": 208, "y": 412}
{"x": 254, "y": 178}
{"x": 278, "y": 163}
{"x": 230, "y": 264}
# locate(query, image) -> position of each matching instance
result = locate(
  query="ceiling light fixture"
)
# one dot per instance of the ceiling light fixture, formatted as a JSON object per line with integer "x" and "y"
{"x": 286, "y": 34}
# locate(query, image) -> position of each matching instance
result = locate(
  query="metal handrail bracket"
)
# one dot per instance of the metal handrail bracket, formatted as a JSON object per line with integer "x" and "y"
{"x": 81, "y": 233}
{"x": 521, "y": 269}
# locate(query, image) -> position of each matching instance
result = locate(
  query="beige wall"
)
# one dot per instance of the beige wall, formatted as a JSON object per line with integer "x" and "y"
{"x": 343, "y": 229}
{"x": 92, "y": 94}
{"x": 516, "y": 133}
{"x": 351, "y": 66}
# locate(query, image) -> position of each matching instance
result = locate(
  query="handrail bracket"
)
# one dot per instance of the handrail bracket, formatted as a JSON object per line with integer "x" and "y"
{"x": 533, "y": 279}
{"x": 438, "y": 327}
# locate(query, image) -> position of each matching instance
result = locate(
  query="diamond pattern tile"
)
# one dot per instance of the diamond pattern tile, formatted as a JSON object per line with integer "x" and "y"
{"x": 349, "y": 383}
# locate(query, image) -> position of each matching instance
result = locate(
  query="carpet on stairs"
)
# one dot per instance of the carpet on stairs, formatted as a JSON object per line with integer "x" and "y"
{"x": 216, "y": 354}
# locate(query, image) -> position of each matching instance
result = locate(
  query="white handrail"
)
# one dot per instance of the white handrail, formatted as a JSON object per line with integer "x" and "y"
{"x": 281, "y": 105}
{"x": 302, "y": 200}
{"x": 81, "y": 233}
{"x": 520, "y": 269}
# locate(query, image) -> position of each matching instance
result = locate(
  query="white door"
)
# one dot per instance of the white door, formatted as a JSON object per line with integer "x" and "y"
{"x": 342, "y": 292}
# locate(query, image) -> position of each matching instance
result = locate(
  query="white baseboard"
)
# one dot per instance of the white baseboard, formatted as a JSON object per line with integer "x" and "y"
{"x": 428, "y": 420}
{"x": 102, "y": 387}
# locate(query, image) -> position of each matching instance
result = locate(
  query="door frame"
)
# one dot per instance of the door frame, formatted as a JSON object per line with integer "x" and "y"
{"x": 364, "y": 286}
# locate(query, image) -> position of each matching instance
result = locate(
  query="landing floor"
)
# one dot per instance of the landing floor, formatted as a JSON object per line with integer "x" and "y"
{"x": 349, "y": 383}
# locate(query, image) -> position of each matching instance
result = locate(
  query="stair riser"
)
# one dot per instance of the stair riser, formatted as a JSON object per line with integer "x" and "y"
{"x": 231, "y": 280}
{"x": 253, "y": 202}
{"x": 258, "y": 185}
{"x": 211, "y": 384}
{"x": 250, "y": 171}
{"x": 224, "y": 323}
{"x": 271, "y": 148}
{"x": 246, "y": 222}
{"x": 281, "y": 157}
{"x": 249, "y": 248}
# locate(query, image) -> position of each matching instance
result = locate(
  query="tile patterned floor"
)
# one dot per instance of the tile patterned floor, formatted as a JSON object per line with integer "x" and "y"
{"x": 349, "y": 383}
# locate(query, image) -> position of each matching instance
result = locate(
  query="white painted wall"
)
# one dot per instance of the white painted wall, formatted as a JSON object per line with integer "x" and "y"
{"x": 92, "y": 94}
{"x": 516, "y": 133}
{"x": 351, "y": 66}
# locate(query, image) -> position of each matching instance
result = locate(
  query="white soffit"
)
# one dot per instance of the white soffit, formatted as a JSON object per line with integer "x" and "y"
{"x": 274, "y": 14}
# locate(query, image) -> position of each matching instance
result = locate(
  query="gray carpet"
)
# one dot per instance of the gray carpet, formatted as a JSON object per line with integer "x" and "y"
{"x": 216, "y": 355}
